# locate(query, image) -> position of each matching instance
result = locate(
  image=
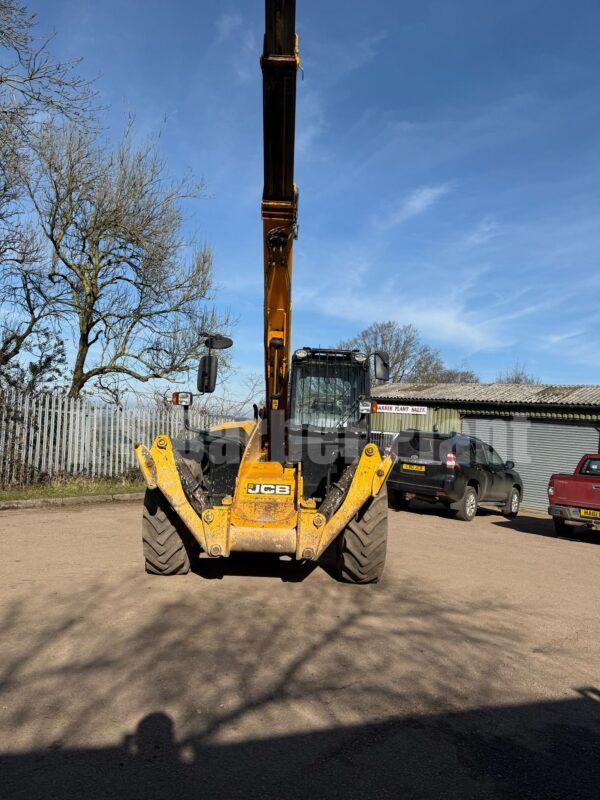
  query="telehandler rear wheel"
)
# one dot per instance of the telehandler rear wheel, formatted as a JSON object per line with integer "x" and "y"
{"x": 168, "y": 545}
{"x": 363, "y": 543}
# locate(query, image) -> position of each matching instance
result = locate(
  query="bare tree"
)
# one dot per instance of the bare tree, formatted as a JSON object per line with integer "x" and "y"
{"x": 410, "y": 358}
{"x": 42, "y": 369}
{"x": 137, "y": 295}
{"x": 32, "y": 85}
{"x": 31, "y": 81}
{"x": 225, "y": 402}
{"x": 448, "y": 375}
{"x": 517, "y": 374}
{"x": 24, "y": 297}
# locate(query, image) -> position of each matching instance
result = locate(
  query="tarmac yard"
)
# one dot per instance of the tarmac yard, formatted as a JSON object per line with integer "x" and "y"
{"x": 471, "y": 671}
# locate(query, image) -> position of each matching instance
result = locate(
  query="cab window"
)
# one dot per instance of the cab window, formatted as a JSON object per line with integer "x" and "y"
{"x": 591, "y": 467}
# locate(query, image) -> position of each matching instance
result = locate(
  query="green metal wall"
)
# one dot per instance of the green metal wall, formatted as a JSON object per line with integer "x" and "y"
{"x": 446, "y": 419}
{"x": 449, "y": 419}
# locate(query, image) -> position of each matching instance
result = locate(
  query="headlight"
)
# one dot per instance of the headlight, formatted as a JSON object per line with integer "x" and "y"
{"x": 551, "y": 490}
{"x": 360, "y": 357}
{"x": 301, "y": 353}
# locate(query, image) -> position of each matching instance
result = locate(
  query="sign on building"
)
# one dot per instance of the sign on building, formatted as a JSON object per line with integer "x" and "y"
{"x": 392, "y": 408}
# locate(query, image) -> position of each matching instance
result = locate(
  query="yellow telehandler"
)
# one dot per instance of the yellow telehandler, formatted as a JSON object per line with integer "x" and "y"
{"x": 302, "y": 479}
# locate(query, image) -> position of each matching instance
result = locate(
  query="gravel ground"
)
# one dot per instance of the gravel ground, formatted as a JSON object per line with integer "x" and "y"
{"x": 471, "y": 671}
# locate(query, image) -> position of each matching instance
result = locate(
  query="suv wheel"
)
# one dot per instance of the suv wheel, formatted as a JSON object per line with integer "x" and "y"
{"x": 469, "y": 504}
{"x": 513, "y": 503}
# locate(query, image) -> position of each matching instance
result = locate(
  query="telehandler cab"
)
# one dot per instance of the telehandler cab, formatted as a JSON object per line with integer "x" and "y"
{"x": 302, "y": 478}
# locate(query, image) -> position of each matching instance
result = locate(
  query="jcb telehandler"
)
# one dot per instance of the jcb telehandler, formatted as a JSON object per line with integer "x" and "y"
{"x": 302, "y": 479}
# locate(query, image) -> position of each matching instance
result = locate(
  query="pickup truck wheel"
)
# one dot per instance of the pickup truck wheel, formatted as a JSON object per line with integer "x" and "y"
{"x": 513, "y": 503}
{"x": 561, "y": 527}
{"x": 168, "y": 545}
{"x": 467, "y": 509}
{"x": 397, "y": 501}
{"x": 363, "y": 543}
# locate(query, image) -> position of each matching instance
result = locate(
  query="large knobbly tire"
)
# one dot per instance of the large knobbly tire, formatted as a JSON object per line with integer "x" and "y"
{"x": 169, "y": 547}
{"x": 363, "y": 543}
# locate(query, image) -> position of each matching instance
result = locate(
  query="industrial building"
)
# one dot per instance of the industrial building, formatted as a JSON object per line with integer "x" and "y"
{"x": 543, "y": 429}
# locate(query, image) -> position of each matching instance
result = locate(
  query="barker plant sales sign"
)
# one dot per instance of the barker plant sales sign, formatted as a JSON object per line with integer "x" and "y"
{"x": 383, "y": 408}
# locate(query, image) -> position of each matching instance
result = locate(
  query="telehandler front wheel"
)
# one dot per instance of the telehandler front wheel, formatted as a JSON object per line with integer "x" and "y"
{"x": 363, "y": 543}
{"x": 169, "y": 547}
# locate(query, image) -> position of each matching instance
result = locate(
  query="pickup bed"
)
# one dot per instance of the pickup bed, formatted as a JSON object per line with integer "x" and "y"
{"x": 575, "y": 499}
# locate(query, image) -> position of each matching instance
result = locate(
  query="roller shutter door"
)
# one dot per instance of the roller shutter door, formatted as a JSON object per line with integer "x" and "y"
{"x": 537, "y": 448}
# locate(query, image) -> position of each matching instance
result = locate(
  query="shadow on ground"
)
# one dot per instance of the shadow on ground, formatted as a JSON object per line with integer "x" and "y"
{"x": 524, "y": 524}
{"x": 200, "y": 689}
{"x": 545, "y": 750}
{"x": 540, "y": 526}
{"x": 256, "y": 565}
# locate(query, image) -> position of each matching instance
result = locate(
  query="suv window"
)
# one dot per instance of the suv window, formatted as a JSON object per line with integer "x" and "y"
{"x": 464, "y": 451}
{"x": 480, "y": 456}
{"x": 493, "y": 458}
{"x": 422, "y": 446}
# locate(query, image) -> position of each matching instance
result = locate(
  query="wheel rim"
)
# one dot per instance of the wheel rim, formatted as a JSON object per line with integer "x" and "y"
{"x": 514, "y": 506}
{"x": 471, "y": 505}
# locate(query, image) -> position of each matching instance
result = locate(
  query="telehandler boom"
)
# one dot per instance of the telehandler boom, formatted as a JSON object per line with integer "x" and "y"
{"x": 302, "y": 479}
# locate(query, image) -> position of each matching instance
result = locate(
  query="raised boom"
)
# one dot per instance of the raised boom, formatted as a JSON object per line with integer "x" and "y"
{"x": 280, "y": 62}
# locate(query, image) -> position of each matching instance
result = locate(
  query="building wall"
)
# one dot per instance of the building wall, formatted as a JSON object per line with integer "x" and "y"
{"x": 446, "y": 419}
{"x": 449, "y": 419}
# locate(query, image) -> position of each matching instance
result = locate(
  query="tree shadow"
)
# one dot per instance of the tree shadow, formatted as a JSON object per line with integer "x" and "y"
{"x": 541, "y": 750}
{"x": 228, "y": 677}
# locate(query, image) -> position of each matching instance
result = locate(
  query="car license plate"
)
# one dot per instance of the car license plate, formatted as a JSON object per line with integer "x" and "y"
{"x": 588, "y": 512}
{"x": 414, "y": 467}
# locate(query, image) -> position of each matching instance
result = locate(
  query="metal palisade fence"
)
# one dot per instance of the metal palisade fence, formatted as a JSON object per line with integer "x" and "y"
{"x": 52, "y": 435}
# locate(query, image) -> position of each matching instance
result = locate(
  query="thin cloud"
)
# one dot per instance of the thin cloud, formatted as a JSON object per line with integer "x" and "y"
{"x": 244, "y": 60}
{"x": 560, "y": 338}
{"x": 333, "y": 61}
{"x": 417, "y": 202}
{"x": 228, "y": 24}
{"x": 484, "y": 232}
{"x": 362, "y": 52}
{"x": 245, "y": 63}
{"x": 311, "y": 114}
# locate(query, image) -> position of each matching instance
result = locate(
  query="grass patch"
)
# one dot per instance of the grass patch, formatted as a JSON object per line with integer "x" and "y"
{"x": 75, "y": 487}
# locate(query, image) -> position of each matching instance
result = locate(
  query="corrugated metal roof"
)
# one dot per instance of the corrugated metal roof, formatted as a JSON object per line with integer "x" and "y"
{"x": 504, "y": 393}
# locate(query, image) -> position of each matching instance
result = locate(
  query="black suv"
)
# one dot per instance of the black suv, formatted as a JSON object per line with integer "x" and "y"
{"x": 457, "y": 470}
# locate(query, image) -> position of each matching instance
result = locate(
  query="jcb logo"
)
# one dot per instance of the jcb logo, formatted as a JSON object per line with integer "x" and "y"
{"x": 269, "y": 488}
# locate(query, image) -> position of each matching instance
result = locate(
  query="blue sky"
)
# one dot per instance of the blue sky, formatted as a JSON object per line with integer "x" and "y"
{"x": 448, "y": 161}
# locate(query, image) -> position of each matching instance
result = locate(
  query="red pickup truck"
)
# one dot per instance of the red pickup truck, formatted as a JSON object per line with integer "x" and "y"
{"x": 576, "y": 498}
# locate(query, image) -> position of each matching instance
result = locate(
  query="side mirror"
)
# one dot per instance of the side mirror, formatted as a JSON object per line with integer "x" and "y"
{"x": 382, "y": 366}
{"x": 207, "y": 374}
{"x": 510, "y": 465}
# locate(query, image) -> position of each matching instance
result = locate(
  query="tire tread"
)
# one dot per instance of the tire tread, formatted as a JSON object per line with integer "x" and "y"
{"x": 363, "y": 543}
{"x": 167, "y": 544}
